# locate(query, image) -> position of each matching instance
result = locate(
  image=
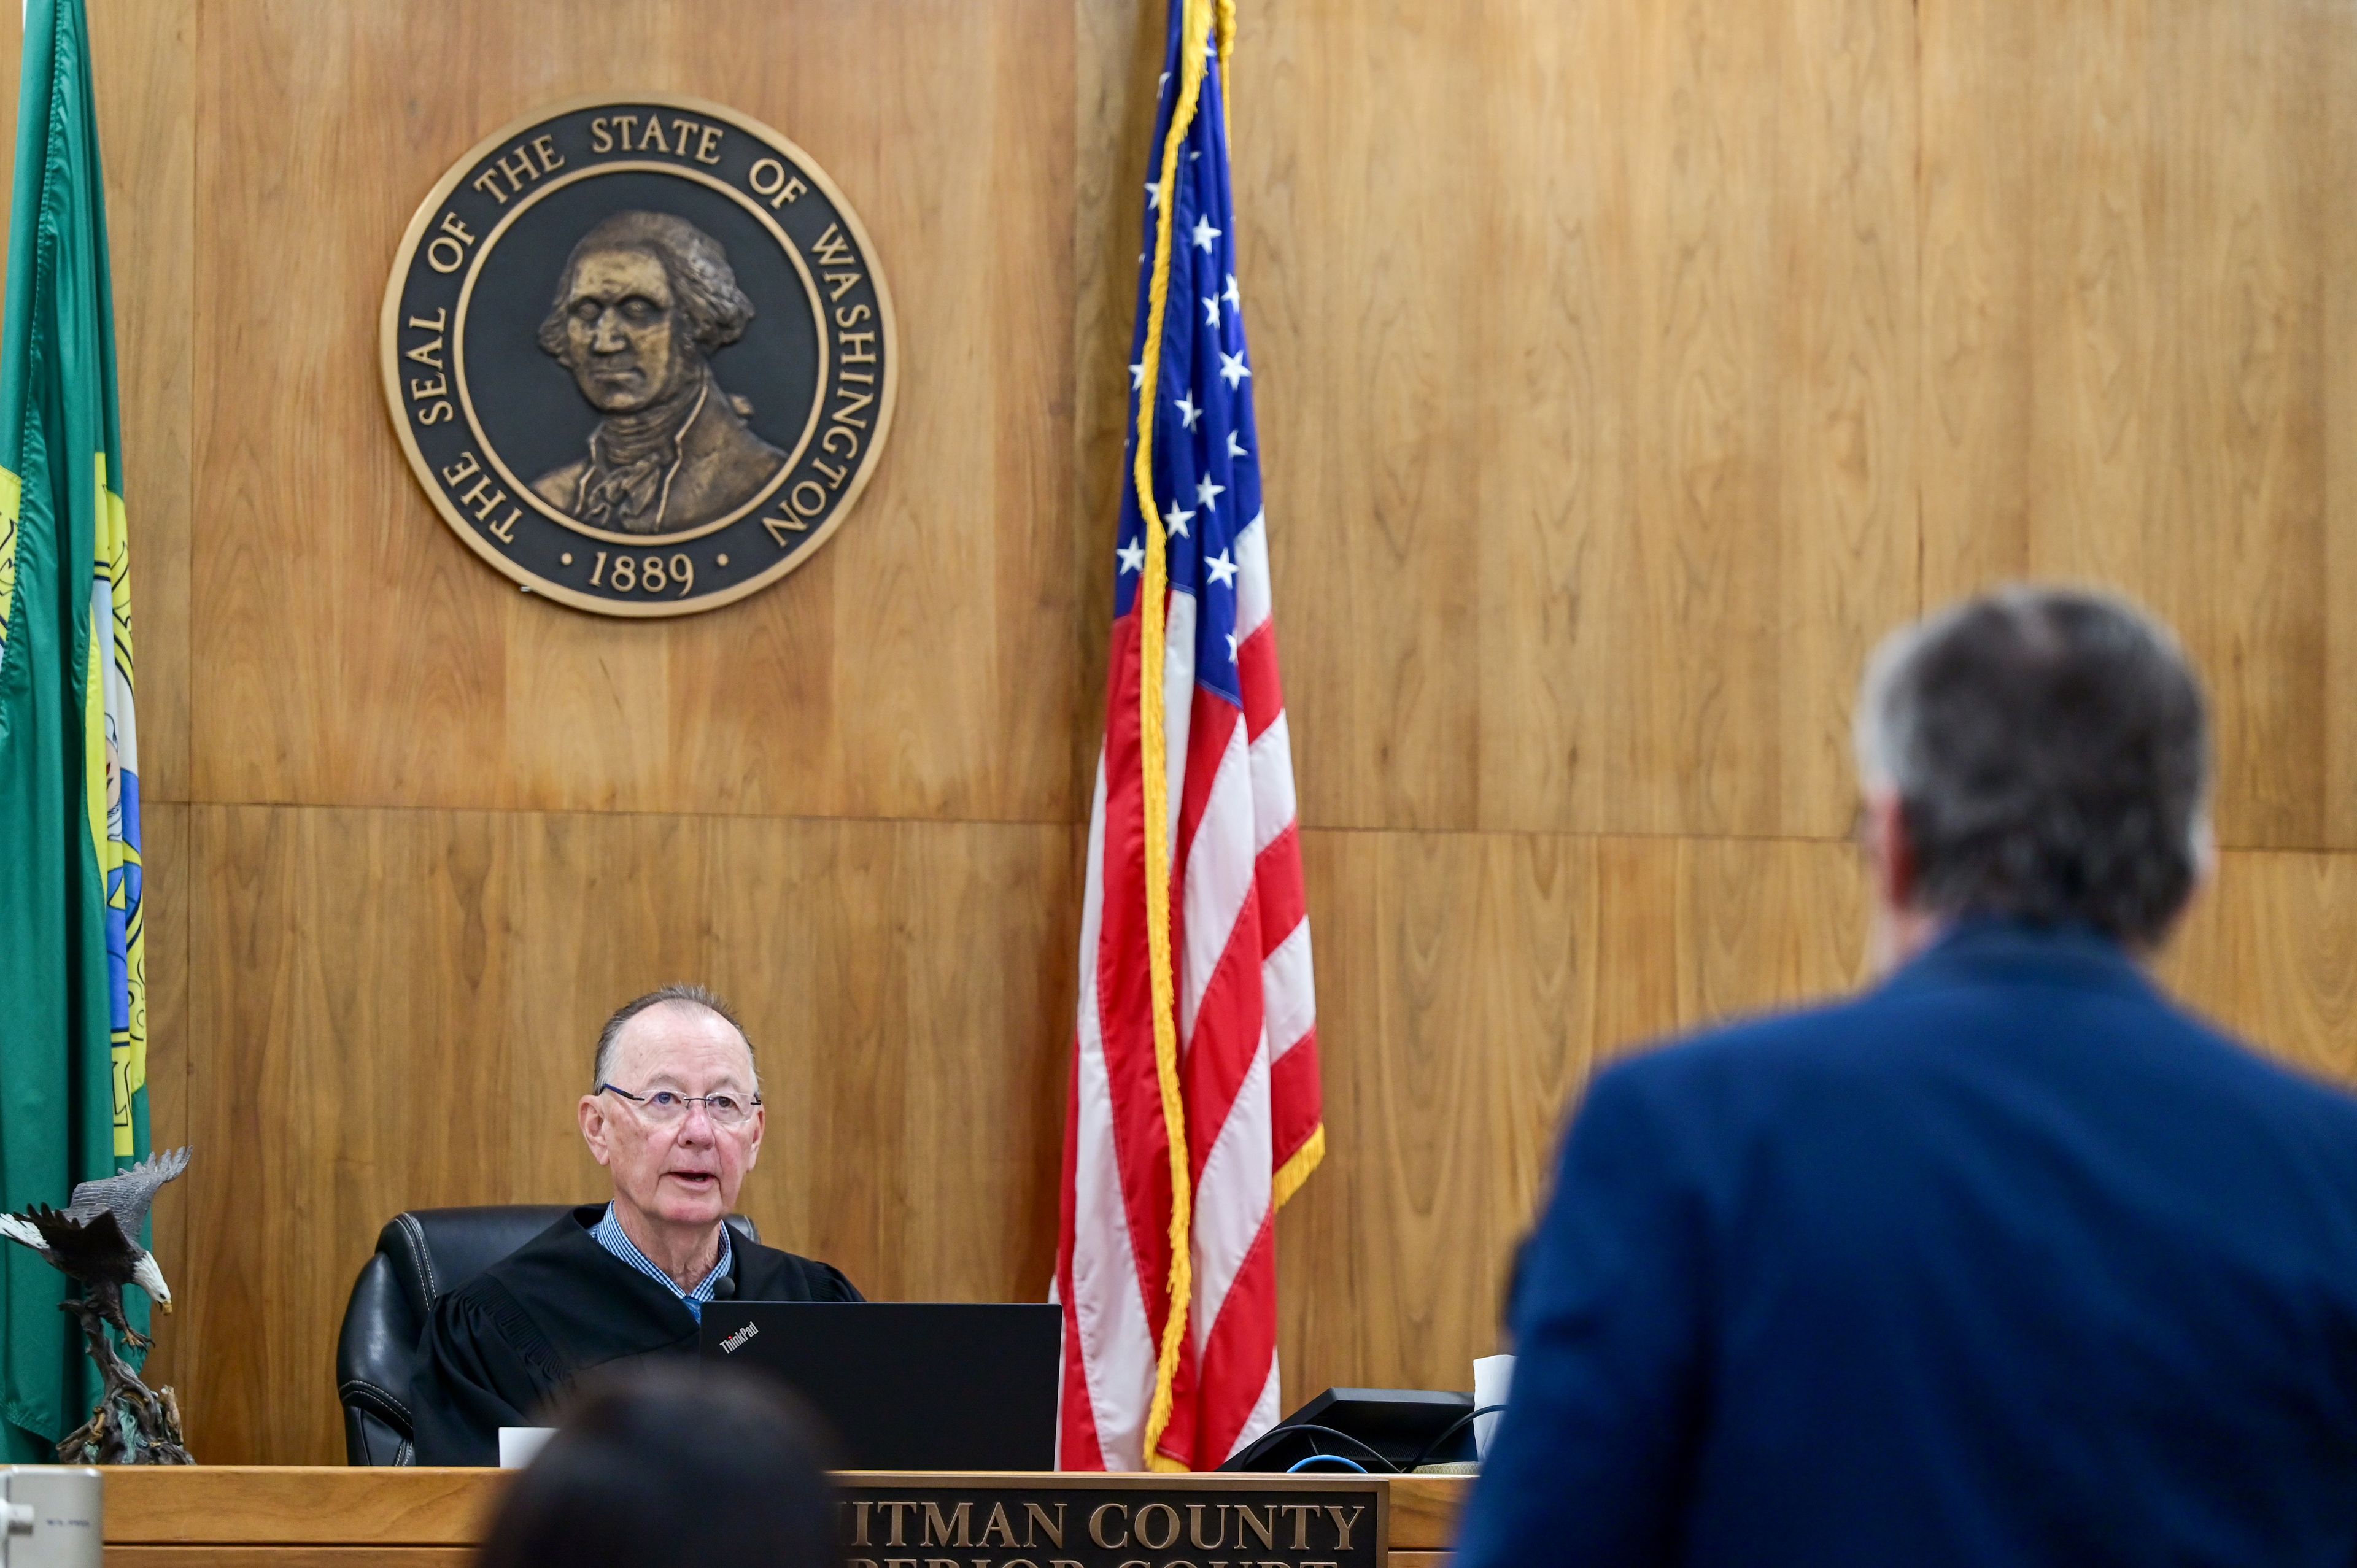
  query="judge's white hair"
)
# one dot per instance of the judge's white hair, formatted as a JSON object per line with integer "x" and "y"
{"x": 683, "y": 994}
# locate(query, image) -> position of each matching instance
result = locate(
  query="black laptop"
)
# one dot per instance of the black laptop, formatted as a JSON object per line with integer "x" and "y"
{"x": 907, "y": 1385}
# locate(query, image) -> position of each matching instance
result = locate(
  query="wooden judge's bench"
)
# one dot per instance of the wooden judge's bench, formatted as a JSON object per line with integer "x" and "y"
{"x": 229, "y": 1516}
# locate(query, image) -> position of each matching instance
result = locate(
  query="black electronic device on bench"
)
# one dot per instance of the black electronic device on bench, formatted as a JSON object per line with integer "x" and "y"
{"x": 907, "y": 1385}
{"x": 1381, "y": 1431}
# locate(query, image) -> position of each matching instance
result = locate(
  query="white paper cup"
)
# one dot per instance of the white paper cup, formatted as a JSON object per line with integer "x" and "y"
{"x": 1492, "y": 1376}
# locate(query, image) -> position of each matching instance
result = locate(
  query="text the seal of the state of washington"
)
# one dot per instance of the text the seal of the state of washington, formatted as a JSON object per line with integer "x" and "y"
{"x": 640, "y": 354}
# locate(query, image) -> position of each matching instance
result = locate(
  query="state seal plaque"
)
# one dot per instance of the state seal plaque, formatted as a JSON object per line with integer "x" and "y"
{"x": 640, "y": 354}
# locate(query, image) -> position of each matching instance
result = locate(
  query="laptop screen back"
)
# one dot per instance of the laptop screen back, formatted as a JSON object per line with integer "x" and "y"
{"x": 907, "y": 1385}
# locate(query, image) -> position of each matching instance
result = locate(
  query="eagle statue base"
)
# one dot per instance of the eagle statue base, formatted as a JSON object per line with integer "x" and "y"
{"x": 133, "y": 1423}
{"x": 93, "y": 1242}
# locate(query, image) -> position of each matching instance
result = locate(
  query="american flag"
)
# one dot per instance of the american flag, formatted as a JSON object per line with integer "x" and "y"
{"x": 1185, "y": 1132}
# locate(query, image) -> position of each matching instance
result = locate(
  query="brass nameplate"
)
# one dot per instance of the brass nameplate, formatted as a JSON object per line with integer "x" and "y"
{"x": 640, "y": 354}
{"x": 1097, "y": 1522}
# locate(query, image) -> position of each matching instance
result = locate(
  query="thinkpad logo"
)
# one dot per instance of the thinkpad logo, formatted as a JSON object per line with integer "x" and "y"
{"x": 729, "y": 1345}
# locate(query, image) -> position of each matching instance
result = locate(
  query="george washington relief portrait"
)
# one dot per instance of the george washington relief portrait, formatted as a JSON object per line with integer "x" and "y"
{"x": 642, "y": 304}
{"x": 612, "y": 365}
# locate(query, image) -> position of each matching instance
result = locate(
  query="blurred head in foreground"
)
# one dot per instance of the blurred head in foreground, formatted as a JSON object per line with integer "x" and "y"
{"x": 2035, "y": 754}
{"x": 664, "y": 1468}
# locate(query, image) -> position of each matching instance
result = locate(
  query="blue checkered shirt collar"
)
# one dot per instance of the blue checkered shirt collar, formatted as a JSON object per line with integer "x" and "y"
{"x": 615, "y": 1239}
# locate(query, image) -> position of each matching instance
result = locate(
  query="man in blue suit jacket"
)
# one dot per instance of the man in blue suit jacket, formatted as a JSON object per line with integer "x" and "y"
{"x": 2007, "y": 1260}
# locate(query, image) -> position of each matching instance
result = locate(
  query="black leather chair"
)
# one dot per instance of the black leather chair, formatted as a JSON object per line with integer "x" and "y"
{"x": 419, "y": 1255}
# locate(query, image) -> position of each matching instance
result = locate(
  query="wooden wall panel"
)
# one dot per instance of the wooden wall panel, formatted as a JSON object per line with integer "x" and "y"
{"x": 397, "y": 1010}
{"x": 921, "y": 665}
{"x": 1117, "y": 47}
{"x": 1975, "y": 412}
{"x": 897, "y": 980}
{"x": 1457, "y": 976}
{"x": 1698, "y": 931}
{"x": 147, "y": 101}
{"x": 348, "y": 999}
{"x": 1370, "y": 428}
{"x": 1474, "y": 981}
{"x": 171, "y": 884}
{"x": 2266, "y": 951}
{"x": 2134, "y": 217}
{"x": 1586, "y": 348}
{"x": 2338, "y": 125}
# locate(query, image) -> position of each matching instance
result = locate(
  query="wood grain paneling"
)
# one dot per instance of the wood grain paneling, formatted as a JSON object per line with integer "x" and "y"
{"x": 171, "y": 884}
{"x": 1586, "y": 349}
{"x": 147, "y": 101}
{"x": 896, "y": 979}
{"x": 354, "y": 653}
{"x": 300, "y": 1505}
{"x": 1367, "y": 396}
{"x": 1974, "y": 412}
{"x": 288, "y": 1557}
{"x": 1459, "y": 973}
{"x": 398, "y": 1009}
{"x": 1118, "y": 46}
{"x": 217, "y": 1514}
{"x": 2338, "y": 125}
{"x": 348, "y": 994}
{"x": 2266, "y": 950}
{"x": 2135, "y": 217}
{"x": 1477, "y": 979}
{"x": 1624, "y": 370}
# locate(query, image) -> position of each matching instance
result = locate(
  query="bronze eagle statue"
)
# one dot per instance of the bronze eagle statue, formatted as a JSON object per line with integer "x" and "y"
{"x": 94, "y": 1240}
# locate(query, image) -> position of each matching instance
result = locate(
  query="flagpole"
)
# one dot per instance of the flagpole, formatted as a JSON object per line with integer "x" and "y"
{"x": 1195, "y": 29}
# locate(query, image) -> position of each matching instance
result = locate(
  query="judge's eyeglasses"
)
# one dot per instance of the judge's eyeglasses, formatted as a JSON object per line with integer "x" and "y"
{"x": 665, "y": 1106}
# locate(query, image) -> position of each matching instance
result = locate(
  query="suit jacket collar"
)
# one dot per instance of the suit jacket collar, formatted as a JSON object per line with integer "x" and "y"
{"x": 1983, "y": 949}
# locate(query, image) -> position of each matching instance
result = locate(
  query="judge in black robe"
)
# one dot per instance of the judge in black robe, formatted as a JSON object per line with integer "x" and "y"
{"x": 499, "y": 1347}
{"x": 674, "y": 1115}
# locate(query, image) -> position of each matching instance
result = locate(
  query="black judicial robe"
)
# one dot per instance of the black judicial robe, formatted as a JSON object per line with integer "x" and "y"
{"x": 498, "y": 1347}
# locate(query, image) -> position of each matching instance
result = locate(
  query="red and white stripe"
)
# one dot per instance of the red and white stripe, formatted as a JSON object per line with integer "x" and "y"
{"x": 1248, "y": 1056}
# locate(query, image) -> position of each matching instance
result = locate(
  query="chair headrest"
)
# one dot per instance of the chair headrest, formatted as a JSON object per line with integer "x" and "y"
{"x": 435, "y": 1251}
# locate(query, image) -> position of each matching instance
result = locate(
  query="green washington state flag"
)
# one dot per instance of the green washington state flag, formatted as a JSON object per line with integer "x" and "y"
{"x": 73, "y": 1004}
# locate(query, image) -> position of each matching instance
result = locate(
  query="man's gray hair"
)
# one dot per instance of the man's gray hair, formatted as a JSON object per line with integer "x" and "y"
{"x": 702, "y": 286}
{"x": 692, "y": 996}
{"x": 2050, "y": 750}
